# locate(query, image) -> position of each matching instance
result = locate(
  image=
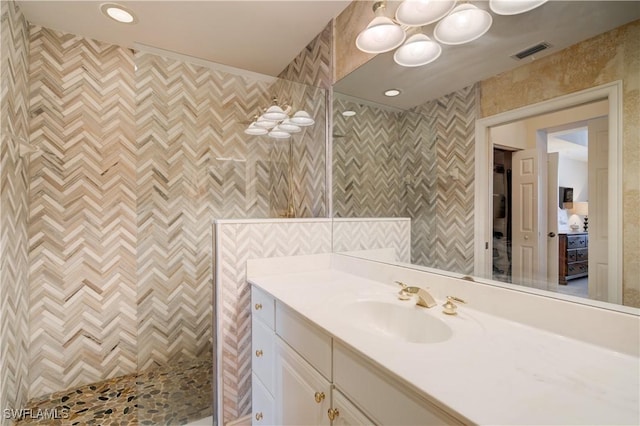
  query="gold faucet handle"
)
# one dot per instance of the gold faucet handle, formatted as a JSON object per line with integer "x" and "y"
{"x": 403, "y": 294}
{"x": 450, "y": 307}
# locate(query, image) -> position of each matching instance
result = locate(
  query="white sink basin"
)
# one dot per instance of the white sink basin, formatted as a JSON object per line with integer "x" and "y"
{"x": 407, "y": 322}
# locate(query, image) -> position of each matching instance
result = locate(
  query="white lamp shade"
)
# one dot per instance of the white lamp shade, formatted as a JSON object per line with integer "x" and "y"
{"x": 464, "y": 24}
{"x": 265, "y": 124}
{"x": 302, "y": 118}
{"x": 418, "y": 50}
{"x": 580, "y": 208}
{"x": 274, "y": 113}
{"x": 416, "y": 13}
{"x": 255, "y": 130}
{"x": 289, "y": 127}
{"x": 381, "y": 35}
{"x": 278, "y": 133}
{"x": 514, "y": 7}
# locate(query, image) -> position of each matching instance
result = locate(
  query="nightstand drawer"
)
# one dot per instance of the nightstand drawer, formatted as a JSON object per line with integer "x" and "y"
{"x": 576, "y": 241}
{"x": 577, "y": 268}
{"x": 582, "y": 254}
{"x": 572, "y": 255}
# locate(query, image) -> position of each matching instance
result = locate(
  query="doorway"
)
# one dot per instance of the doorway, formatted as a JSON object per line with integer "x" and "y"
{"x": 564, "y": 148}
{"x": 488, "y": 138}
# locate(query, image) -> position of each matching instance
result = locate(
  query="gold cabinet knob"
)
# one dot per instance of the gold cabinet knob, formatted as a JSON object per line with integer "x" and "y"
{"x": 319, "y": 397}
{"x": 258, "y": 306}
{"x": 259, "y": 353}
{"x": 333, "y": 413}
{"x": 259, "y": 416}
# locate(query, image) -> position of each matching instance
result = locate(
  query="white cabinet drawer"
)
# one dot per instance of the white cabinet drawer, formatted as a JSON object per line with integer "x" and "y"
{"x": 262, "y": 306}
{"x": 384, "y": 399}
{"x": 347, "y": 413}
{"x": 263, "y": 353}
{"x": 306, "y": 338}
{"x": 262, "y": 403}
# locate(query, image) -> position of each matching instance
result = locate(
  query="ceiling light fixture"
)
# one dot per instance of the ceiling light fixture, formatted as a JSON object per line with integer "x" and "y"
{"x": 464, "y": 24}
{"x": 392, "y": 92}
{"x": 514, "y": 7}
{"x": 456, "y": 25}
{"x": 382, "y": 34}
{"x": 415, "y": 13}
{"x": 348, "y": 113}
{"x": 118, "y": 13}
{"x": 418, "y": 50}
{"x": 275, "y": 122}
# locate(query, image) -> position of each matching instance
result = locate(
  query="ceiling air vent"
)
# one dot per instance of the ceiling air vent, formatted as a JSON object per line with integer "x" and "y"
{"x": 531, "y": 50}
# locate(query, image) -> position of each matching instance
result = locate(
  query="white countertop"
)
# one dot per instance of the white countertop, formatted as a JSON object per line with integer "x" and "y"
{"x": 492, "y": 371}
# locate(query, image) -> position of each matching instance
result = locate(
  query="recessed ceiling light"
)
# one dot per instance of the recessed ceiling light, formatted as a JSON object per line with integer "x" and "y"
{"x": 348, "y": 113}
{"x": 392, "y": 92}
{"x": 118, "y": 13}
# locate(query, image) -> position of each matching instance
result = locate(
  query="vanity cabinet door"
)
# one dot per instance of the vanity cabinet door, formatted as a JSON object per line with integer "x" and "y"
{"x": 263, "y": 411}
{"x": 346, "y": 413}
{"x": 302, "y": 395}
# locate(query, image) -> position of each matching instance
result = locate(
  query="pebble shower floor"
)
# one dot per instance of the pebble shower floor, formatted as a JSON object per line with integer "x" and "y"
{"x": 169, "y": 395}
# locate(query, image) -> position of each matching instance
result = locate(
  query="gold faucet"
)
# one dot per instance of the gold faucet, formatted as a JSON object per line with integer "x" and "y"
{"x": 423, "y": 297}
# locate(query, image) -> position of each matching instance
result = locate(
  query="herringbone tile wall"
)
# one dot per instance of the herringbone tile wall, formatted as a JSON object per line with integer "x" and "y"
{"x": 83, "y": 212}
{"x": 366, "y": 166}
{"x": 314, "y": 65}
{"x": 134, "y": 165}
{"x": 235, "y": 244}
{"x": 452, "y": 117}
{"x": 367, "y": 234}
{"x": 418, "y": 164}
{"x": 14, "y": 209}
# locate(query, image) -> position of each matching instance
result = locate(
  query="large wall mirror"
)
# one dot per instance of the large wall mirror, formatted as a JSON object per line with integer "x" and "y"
{"x": 515, "y": 172}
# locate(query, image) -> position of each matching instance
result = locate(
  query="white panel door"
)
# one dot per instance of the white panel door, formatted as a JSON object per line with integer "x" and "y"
{"x": 346, "y": 413}
{"x": 598, "y": 211}
{"x": 525, "y": 217}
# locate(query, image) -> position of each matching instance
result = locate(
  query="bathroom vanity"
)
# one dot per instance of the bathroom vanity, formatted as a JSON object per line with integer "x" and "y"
{"x": 333, "y": 344}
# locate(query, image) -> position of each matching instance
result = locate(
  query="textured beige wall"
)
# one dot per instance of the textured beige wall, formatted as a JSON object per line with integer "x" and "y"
{"x": 608, "y": 57}
{"x": 347, "y": 25}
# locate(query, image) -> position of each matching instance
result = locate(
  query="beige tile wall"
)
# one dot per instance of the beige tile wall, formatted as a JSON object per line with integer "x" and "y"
{"x": 14, "y": 209}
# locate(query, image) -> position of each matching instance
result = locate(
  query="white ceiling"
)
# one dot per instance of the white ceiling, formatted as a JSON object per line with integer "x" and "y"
{"x": 259, "y": 36}
{"x": 561, "y": 23}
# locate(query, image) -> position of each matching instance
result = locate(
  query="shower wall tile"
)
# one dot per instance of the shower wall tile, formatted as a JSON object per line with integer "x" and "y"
{"x": 452, "y": 118}
{"x": 236, "y": 242}
{"x": 14, "y": 209}
{"x": 82, "y": 228}
{"x": 194, "y": 164}
{"x": 314, "y": 64}
{"x": 366, "y": 167}
{"x": 368, "y": 234}
{"x": 301, "y": 84}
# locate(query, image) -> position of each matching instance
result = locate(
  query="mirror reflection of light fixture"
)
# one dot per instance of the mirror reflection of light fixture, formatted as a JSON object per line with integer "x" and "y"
{"x": 464, "y": 24}
{"x": 415, "y": 13}
{"x": 514, "y": 7}
{"x": 275, "y": 122}
{"x": 381, "y": 35}
{"x": 418, "y": 50}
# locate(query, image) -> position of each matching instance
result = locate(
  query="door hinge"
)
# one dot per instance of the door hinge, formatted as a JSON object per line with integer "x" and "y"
{"x": 486, "y": 245}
